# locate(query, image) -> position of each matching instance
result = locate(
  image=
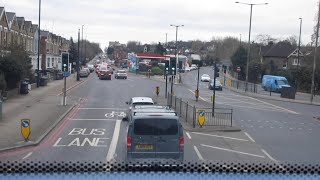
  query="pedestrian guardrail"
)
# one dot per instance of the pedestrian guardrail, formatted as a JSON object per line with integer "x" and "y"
{"x": 190, "y": 114}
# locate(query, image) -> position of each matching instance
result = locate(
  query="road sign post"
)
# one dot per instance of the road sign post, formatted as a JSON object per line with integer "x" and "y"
{"x": 201, "y": 117}
{"x": 25, "y": 128}
{"x": 66, "y": 73}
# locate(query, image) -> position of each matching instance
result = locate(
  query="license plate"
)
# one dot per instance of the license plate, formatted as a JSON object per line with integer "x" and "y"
{"x": 144, "y": 146}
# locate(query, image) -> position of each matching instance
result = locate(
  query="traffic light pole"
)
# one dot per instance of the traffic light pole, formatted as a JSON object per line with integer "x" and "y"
{"x": 197, "y": 91}
{"x": 65, "y": 92}
{"x": 214, "y": 88}
{"x": 166, "y": 94}
{"x": 171, "y": 91}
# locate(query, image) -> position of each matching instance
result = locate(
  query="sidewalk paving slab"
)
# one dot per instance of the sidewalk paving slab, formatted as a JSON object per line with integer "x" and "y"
{"x": 42, "y": 106}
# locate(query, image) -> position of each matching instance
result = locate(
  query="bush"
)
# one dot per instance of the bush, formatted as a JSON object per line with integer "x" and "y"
{"x": 156, "y": 71}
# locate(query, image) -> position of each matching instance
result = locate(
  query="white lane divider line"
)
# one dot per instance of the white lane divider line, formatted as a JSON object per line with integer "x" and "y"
{"x": 188, "y": 135}
{"x": 226, "y": 137}
{"x": 98, "y": 108}
{"x": 293, "y": 112}
{"x": 94, "y": 119}
{"x": 198, "y": 153}
{"x": 269, "y": 156}
{"x": 28, "y": 155}
{"x": 249, "y": 137}
{"x": 114, "y": 141}
{"x": 229, "y": 150}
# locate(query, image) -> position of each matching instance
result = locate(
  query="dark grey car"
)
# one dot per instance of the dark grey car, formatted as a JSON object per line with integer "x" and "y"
{"x": 155, "y": 136}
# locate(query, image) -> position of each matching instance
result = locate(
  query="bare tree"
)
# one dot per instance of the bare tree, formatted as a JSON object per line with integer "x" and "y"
{"x": 264, "y": 39}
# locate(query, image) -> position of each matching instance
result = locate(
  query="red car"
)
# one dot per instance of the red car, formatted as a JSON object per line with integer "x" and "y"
{"x": 104, "y": 73}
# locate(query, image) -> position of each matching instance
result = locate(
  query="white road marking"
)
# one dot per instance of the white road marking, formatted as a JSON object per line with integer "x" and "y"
{"x": 226, "y": 137}
{"x": 268, "y": 155}
{"x": 28, "y": 155}
{"x": 198, "y": 153}
{"x": 229, "y": 150}
{"x": 249, "y": 137}
{"x": 293, "y": 112}
{"x": 114, "y": 141}
{"x": 94, "y": 119}
{"x": 188, "y": 135}
{"x": 98, "y": 108}
{"x": 130, "y": 80}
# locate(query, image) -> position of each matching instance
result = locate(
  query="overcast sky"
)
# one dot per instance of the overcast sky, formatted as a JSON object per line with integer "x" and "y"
{"x": 148, "y": 20}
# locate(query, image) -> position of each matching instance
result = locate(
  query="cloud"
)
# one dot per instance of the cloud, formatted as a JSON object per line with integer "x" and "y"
{"x": 148, "y": 21}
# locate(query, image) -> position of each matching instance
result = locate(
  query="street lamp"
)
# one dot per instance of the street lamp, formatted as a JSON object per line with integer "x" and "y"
{"x": 315, "y": 57}
{"x": 82, "y": 45}
{"x": 299, "y": 43}
{"x": 249, "y": 44}
{"x": 38, "y": 60}
{"x": 177, "y": 60}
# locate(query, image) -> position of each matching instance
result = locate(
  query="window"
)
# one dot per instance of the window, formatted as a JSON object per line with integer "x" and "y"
{"x": 155, "y": 127}
{"x": 52, "y": 61}
{"x": 295, "y": 61}
{"x": 284, "y": 66}
{"x": 48, "y": 62}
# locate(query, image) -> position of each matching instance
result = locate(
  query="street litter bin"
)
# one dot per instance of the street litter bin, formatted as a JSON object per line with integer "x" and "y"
{"x": 43, "y": 81}
{"x": 59, "y": 75}
{"x": 24, "y": 87}
{"x": 288, "y": 92}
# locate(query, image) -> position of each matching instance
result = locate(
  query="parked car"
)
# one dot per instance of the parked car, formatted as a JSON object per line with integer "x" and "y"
{"x": 274, "y": 83}
{"x": 83, "y": 73}
{"x": 91, "y": 67}
{"x": 121, "y": 74}
{"x": 218, "y": 85}
{"x": 187, "y": 69}
{"x": 205, "y": 78}
{"x": 88, "y": 70}
{"x": 193, "y": 67}
{"x": 155, "y": 134}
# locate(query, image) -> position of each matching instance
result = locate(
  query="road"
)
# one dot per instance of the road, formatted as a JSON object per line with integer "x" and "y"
{"x": 94, "y": 132}
{"x": 287, "y": 131}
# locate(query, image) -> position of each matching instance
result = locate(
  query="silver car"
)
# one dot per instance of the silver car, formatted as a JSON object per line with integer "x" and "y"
{"x": 156, "y": 135}
{"x": 137, "y": 101}
{"x": 83, "y": 73}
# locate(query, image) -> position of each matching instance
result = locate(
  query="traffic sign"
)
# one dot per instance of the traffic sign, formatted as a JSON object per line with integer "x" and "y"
{"x": 238, "y": 69}
{"x": 25, "y": 128}
{"x": 66, "y": 74}
{"x": 201, "y": 117}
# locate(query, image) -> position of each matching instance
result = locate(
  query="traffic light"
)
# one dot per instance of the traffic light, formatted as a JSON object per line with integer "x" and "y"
{"x": 173, "y": 66}
{"x": 65, "y": 62}
{"x": 166, "y": 67}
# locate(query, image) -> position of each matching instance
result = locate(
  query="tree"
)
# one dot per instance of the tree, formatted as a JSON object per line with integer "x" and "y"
{"x": 15, "y": 66}
{"x": 73, "y": 52}
{"x": 110, "y": 50}
{"x": 293, "y": 40}
{"x": 264, "y": 39}
{"x": 160, "y": 49}
{"x": 239, "y": 59}
{"x": 134, "y": 46}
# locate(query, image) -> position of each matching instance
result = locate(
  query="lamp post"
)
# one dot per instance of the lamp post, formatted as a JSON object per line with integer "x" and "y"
{"x": 78, "y": 60}
{"x": 82, "y": 46}
{"x": 315, "y": 57}
{"x": 177, "y": 60}
{"x": 249, "y": 43}
{"x": 299, "y": 44}
{"x": 38, "y": 60}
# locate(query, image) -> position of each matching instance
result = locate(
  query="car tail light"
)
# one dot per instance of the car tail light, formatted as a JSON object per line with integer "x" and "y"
{"x": 101, "y": 74}
{"x": 129, "y": 142}
{"x": 109, "y": 74}
{"x": 181, "y": 142}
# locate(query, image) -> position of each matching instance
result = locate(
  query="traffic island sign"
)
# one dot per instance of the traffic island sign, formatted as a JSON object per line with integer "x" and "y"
{"x": 201, "y": 117}
{"x": 25, "y": 128}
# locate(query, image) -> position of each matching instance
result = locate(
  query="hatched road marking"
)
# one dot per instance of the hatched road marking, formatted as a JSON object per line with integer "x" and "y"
{"x": 229, "y": 150}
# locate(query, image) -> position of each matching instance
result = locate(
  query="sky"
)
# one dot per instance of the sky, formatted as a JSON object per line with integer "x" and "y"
{"x": 148, "y": 21}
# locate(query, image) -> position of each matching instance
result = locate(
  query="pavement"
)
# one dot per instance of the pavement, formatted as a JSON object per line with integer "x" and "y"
{"x": 300, "y": 97}
{"x": 42, "y": 106}
{"x": 272, "y": 131}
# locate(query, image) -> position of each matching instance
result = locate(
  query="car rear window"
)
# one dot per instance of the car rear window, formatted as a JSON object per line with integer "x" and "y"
{"x": 143, "y": 103}
{"x": 155, "y": 127}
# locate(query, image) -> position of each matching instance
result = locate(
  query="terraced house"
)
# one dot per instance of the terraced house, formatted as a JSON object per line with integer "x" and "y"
{"x": 4, "y": 29}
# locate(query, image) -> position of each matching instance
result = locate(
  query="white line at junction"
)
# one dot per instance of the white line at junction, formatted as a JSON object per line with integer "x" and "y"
{"x": 249, "y": 137}
{"x": 28, "y": 155}
{"x": 226, "y": 137}
{"x": 229, "y": 150}
{"x": 98, "y": 108}
{"x": 94, "y": 119}
{"x": 188, "y": 135}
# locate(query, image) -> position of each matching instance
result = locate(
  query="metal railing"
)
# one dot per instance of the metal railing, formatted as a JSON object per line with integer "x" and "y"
{"x": 189, "y": 113}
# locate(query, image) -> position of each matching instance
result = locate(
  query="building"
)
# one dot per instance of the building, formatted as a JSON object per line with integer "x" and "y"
{"x": 13, "y": 28}
{"x": 4, "y": 29}
{"x": 281, "y": 56}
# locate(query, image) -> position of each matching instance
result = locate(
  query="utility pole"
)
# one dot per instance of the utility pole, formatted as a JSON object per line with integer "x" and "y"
{"x": 166, "y": 40}
{"x": 82, "y": 61}
{"x": 249, "y": 41}
{"x": 78, "y": 60}
{"x": 299, "y": 44}
{"x": 38, "y": 60}
{"x": 85, "y": 49}
{"x": 315, "y": 56}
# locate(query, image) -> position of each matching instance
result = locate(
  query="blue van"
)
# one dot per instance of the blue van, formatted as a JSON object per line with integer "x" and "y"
{"x": 274, "y": 83}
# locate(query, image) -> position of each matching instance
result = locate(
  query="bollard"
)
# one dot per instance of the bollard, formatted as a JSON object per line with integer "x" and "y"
{"x": 194, "y": 117}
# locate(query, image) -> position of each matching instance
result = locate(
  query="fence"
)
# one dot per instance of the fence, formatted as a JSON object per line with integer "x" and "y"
{"x": 189, "y": 113}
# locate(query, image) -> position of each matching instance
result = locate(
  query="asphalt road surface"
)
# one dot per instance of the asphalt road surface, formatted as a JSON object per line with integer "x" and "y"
{"x": 94, "y": 132}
